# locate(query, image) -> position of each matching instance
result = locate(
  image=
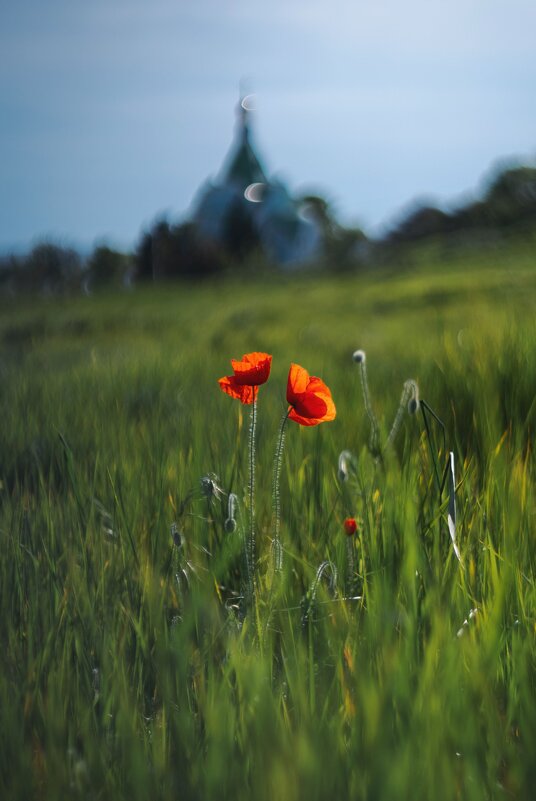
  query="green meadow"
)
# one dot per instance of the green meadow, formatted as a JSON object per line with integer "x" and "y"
{"x": 130, "y": 665}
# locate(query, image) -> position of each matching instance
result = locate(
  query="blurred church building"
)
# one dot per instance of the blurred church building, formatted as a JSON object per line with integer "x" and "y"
{"x": 242, "y": 208}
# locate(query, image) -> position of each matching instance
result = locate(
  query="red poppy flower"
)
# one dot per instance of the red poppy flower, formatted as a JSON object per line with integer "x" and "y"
{"x": 251, "y": 371}
{"x": 350, "y": 526}
{"x": 310, "y": 399}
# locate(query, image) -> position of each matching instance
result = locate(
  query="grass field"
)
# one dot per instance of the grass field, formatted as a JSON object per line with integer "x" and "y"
{"x": 118, "y": 681}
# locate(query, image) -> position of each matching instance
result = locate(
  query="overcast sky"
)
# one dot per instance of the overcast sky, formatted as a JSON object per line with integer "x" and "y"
{"x": 115, "y": 111}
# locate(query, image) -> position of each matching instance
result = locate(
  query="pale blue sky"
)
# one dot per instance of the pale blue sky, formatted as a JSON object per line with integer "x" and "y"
{"x": 114, "y": 111}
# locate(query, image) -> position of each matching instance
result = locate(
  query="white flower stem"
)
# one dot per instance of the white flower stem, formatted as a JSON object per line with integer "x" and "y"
{"x": 250, "y": 547}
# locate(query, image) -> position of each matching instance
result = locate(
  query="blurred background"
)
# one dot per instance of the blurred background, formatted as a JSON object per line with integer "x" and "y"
{"x": 172, "y": 138}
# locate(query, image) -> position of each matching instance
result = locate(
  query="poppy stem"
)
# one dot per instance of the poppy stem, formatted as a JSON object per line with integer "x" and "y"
{"x": 374, "y": 441}
{"x": 407, "y": 391}
{"x": 250, "y": 547}
{"x": 277, "y": 550}
{"x": 350, "y": 567}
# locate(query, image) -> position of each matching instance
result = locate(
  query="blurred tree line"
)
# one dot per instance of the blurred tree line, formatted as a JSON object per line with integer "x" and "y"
{"x": 52, "y": 269}
{"x": 508, "y": 202}
{"x": 179, "y": 251}
{"x": 168, "y": 251}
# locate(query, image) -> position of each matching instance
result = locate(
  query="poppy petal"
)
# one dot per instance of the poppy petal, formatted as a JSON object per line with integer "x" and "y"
{"x": 298, "y": 378}
{"x": 310, "y": 405}
{"x": 331, "y": 411}
{"x": 253, "y": 369}
{"x": 304, "y": 421}
{"x": 309, "y": 398}
{"x": 317, "y": 386}
{"x": 244, "y": 393}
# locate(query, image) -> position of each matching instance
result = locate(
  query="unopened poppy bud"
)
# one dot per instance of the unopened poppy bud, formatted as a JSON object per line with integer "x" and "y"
{"x": 344, "y": 465}
{"x": 359, "y": 356}
{"x": 413, "y": 405}
{"x": 176, "y": 536}
{"x": 230, "y": 523}
{"x": 210, "y": 487}
{"x": 350, "y": 526}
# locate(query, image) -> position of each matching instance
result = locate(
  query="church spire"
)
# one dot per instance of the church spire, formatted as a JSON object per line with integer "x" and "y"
{"x": 246, "y": 104}
{"x": 243, "y": 166}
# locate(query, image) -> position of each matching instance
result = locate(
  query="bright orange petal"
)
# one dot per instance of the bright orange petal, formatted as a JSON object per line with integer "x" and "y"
{"x": 307, "y": 404}
{"x": 331, "y": 411}
{"x": 303, "y": 421}
{"x": 317, "y": 386}
{"x": 244, "y": 393}
{"x": 253, "y": 369}
{"x": 322, "y": 392}
{"x": 309, "y": 397}
{"x": 297, "y": 382}
{"x": 256, "y": 357}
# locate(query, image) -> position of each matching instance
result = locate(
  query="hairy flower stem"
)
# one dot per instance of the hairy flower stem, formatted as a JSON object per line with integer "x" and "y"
{"x": 309, "y": 601}
{"x": 374, "y": 442}
{"x": 250, "y": 545}
{"x": 350, "y": 568}
{"x": 407, "y": 390}
{"x": 277, "y": 550}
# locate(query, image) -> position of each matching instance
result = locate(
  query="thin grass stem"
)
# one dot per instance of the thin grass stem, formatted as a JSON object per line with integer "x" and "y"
{"x": 431, "y": 443}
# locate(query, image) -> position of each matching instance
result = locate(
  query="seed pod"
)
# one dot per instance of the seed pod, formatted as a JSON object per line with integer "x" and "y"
{"x": 176, "y": 536}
